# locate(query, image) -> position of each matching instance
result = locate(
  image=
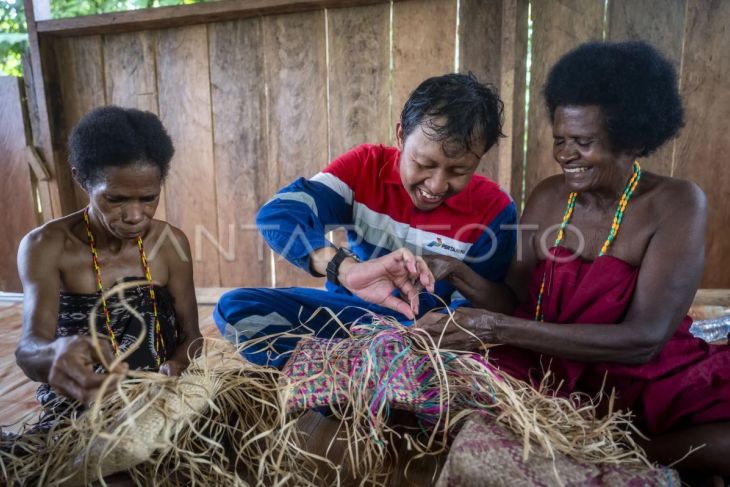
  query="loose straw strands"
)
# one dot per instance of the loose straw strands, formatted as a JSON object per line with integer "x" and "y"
{"x": 220, "y": 424}
{"x": 455, "y": 383}
{"x": 229, "y": 422}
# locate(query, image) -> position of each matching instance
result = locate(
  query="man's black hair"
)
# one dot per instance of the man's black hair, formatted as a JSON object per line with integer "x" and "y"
{"x": 632, "y": 83}
{"x": 457, "y": 110}
{"x": 112, "y": 136}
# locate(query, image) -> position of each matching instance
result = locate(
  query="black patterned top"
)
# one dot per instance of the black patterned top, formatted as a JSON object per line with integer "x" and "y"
{"x": 73, "y": 319}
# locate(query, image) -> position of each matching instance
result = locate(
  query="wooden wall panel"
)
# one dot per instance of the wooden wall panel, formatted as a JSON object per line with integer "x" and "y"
{"x": 424, "y": 36}
{"x": 480, "y": 46}
{"x": 80, "y": 67}
{"x": 131, "y": 81}
{"x": 239, "y": 123}
{"x": 703, "y": 145}
{"x": 296, "y": 76}
{"x": 557, "y": 28}
{"x": 359, "y": 77}
{"x": 661, "y": 23}
{"x": 492, "y": 45}
{"x": 516, "y": 23}
{"x": 18, "y": 216}
{"x": 185, "y": 109}
{"x": 45, "y": 188}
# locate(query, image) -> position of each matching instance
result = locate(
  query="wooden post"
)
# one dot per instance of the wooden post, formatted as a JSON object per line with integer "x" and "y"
{"x": 59, "y": 183}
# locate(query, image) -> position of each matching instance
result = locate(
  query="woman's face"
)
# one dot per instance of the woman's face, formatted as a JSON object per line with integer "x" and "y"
{"x": 428, "y": 175}
{"x": 124, "y": 199}
{"x": 582, "y": 148}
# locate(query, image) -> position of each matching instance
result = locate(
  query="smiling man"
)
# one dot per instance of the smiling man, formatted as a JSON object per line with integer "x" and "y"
{"x": 406, "y": 209}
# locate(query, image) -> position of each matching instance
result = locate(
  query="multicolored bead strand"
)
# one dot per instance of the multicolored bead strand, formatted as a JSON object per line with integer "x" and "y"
{"x": 561, "y": 233}
{"x": 618, "y": 216}
{"x": 159, "y": 343}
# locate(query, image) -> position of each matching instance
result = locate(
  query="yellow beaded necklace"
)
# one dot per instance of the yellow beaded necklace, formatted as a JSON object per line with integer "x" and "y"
{"x": 159, "y": 342}
{"x": 615, "y": 225}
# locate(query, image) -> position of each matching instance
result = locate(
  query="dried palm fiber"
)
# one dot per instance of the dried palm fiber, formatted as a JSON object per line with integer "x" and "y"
{"x": 384, "y": 364}
{"x": 246, "y": 429}
{"x": 222, "y": 422}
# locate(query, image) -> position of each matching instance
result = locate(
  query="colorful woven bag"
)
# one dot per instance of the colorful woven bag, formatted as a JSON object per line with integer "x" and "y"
{"x": 324, "y": 372}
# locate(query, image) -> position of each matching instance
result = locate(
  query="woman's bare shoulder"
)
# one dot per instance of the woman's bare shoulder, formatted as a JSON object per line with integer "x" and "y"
{"x": 549, "y": 194}
{"x": 674, "y": 197}
{"x": 52, "y": 235}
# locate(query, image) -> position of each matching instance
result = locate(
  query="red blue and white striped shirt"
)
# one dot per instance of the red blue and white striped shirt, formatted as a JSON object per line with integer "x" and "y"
{"x": 362, "y": 192}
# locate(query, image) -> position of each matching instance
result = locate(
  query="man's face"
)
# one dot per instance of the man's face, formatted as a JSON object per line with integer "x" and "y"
{"x": 428, "y": 175}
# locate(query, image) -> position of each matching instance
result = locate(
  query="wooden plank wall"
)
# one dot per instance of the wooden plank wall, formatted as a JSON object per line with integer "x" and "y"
{"x": 252, "y": 104}
{"x": 16, "y": 200}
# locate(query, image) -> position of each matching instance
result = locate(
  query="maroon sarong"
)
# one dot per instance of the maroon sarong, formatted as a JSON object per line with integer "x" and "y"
{"x": 687, "y": 383}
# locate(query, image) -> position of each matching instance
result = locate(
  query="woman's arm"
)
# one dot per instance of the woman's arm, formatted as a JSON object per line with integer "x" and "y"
{"x": 480, "y": 292}
{"x": 182, "y": 289}
{"x": 65, "y": 363}
{"x": 668, "y": 279}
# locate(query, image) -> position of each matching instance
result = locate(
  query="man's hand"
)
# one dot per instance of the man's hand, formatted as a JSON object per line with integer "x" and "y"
{"x": 441, "y": 266}
{"x": 374, "y": 280}
{"x": 72, "y": 370}
{"x": 468, "y": 330}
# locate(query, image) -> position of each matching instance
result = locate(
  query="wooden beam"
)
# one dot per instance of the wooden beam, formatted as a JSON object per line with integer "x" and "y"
{"x": 163, "y": 17}
{"x": 712, "y": 297}
{"x": 42, "y": 128}
{"x": 35, "y": 161}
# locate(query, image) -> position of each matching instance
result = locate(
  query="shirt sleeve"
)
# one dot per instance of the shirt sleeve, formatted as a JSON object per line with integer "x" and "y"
{"x": 295, "y": 221}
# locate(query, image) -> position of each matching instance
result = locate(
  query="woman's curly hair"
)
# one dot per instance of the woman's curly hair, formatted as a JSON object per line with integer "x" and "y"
{"x": 113, "y": 136}
{"x": 635, "y": 86}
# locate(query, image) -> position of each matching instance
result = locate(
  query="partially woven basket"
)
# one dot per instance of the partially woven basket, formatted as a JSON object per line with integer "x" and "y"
{"x": 147, "y": 428}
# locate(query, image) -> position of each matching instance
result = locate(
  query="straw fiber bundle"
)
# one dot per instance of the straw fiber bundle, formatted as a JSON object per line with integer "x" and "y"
{"x": 228, "y": 422}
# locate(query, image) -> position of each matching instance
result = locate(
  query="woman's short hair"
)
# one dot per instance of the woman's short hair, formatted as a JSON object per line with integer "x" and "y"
{"x": 635, "y": 86}
{"x": 457, "y": 110}
{"x": 113, "y": 136}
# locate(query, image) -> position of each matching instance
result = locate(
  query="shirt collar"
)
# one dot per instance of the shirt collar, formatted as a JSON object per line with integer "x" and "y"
{"x": 390, "y": 174}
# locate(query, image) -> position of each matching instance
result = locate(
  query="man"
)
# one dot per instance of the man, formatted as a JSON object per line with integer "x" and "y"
{"x": 397, "y": 204}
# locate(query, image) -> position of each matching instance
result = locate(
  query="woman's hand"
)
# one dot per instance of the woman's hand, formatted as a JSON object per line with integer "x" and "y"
{"x": 173, "y": 368}
{"x": 466, "y": 329}
{"x": 442, "y": 267}
{"x": 375, "y": 280}
{"x": 72, "y": 370}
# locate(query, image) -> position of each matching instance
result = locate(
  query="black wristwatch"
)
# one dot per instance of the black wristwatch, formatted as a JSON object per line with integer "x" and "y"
{"x": 333, "y": 266}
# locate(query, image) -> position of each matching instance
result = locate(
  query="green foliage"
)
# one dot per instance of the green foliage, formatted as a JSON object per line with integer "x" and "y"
{"x": 75, "y": 8}
{"x": 13, "y": 30}
{"x": 13, "y": 37}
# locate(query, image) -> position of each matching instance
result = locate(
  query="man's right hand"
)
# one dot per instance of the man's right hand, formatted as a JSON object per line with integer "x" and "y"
{"x": 72, "y": 370}
{"x": 374, "y": 280}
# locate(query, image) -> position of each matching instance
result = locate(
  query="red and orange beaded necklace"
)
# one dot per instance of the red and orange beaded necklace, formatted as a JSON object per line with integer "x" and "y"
{"x": 615, "y": 225}
{"x": 159, "y": 342}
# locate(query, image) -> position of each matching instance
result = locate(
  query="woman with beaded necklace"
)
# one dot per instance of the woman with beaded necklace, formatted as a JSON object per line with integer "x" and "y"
{"x": 609, "y": 298}
{"x": 120, "y": 158}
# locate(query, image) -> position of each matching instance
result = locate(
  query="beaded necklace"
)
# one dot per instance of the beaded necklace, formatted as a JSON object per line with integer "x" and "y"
{"x": 159, "y": 342}
{"x": 615, "y": 225}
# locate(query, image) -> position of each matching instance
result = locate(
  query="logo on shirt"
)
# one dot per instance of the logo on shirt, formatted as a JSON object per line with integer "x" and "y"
{"x": 438, "y": 243}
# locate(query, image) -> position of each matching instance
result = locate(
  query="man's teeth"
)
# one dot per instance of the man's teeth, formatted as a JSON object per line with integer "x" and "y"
{"x": 573, "y": 170}
{"x": 428, "y": 196}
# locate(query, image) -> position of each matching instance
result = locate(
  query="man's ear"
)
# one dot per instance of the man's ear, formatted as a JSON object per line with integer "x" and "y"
{"x": 399, "y": 136}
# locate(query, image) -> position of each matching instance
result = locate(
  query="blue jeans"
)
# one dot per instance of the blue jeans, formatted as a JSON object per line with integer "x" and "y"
{"x": 248, "y": 313}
